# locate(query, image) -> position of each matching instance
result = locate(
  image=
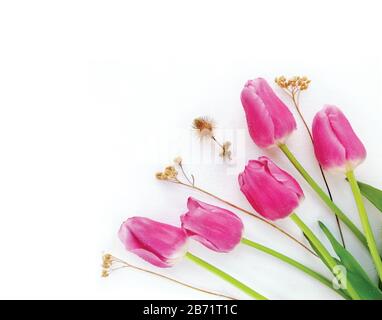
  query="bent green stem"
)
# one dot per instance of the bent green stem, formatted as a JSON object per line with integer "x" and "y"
{"x": 252, "y": 293}
{"x": 326, "y": 256}
{"x": 295, "y": 99}
{"x": 365, "y": 222}
{"x": 294, "y": 263}
{"x": 337, "y": 211}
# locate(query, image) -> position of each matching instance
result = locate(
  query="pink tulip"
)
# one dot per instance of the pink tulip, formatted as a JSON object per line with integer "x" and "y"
{"x": 269, "y": 119}
{"x": 158, "y": 243}
{"x": 216, "y": 228}
{"x": 271, "y": 191}
{"x": 335, "y": 144}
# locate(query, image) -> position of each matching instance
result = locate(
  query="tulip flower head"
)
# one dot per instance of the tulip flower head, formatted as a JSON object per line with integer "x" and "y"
{"x": 158, "y": 243}
{"x": 271, "y": 191}
{"x": 269, "y": 120}
{"x": 336, "y": 146}
{"x": 216, "y": 228}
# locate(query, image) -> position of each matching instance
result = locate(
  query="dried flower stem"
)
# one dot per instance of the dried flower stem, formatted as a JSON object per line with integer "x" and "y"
{"x": 185, "y": 175}
{"x": 217, "y": 142}
{"x": 225, "y": 148}
{"x": 293, "y": 89}
{"x": 124, "y": 264}
{"x": 205, "y": 128}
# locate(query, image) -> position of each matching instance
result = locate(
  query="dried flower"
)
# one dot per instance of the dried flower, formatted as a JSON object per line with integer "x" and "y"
{"x": 169, "y": 173}
{"x": 293, "y": 84}
{"x": 178, "y": 161}
{"x": 159, "y": 176}
{"x": 281, "y": 81}
{"x": 204, "y": 126}
{"x": 226, "y": 153}
{"x": 107, "y": 261}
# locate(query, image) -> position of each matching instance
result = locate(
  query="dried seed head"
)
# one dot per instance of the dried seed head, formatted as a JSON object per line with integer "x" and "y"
{"x": 281, "y": 81}
{"x": 160, "y": 176}
{"x": 178, "y": 161}
{"x": 226, "y": 152}
{"x": 293, "y": 84}
{"x": 107, "y": 261}
{"x": 204, "y": 126}
{"x": 169, "y": 173}
{"x": 226, "y": 144}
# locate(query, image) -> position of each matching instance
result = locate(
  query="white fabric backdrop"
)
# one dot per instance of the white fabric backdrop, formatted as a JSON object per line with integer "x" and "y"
{"x": 96, "y": 96}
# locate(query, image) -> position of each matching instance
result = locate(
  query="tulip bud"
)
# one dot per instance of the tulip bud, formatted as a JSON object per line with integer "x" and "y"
{"x": 336, "y": 146}
{"x": 271, "y": 191}
{"x": 216, "y": 228}
{"x": 269, "y": 120}
{"x": 158, "y": 243}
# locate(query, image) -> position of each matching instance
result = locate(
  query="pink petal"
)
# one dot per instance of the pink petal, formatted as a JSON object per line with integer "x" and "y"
{"x": 354, "y": 149}
{"x": 282, "y": 176}
{"x": 329, "y": 151}
{"x": 215, "y": 227}
{"x": 270, "y": 197}
{"x": 158, "y": 243}
{"x": 283, "y": 120}
{"x": 259, "y": 121}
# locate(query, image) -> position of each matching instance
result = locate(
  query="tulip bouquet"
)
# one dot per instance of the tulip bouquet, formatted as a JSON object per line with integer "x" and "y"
{"x": 273, "y": 193}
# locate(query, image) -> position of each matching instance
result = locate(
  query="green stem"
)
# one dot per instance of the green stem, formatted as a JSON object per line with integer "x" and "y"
{"x": 295, "y": 99}
{"x": 225, "y": 277}
{"x": 337, "y": 211}
{"x": 329, "y": 260}
{"x": 293, "y": 263}
{"x": 365, "y": 222}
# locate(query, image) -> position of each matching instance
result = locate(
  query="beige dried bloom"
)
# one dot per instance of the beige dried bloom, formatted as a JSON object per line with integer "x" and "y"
{"x": 169, "y": 173}
{"x": 226, "y": 152}
{"x": 281, "y": 81}
{"x": 293, "y": 84}
{"x": 178, "y": 161}
{"x": 160, "y": 176}
{"x": 107, "y": 261}
{"x": 204, "y": 126}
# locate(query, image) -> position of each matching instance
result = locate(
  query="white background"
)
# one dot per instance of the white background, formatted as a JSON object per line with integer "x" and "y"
{"x": 94, "y": 96}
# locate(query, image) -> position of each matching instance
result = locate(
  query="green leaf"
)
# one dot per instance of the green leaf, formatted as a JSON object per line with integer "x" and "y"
{"x": 323, "y": 260}
{"x": 318, "y": 253}
{"x": 366, "y": 290}
{"x": 345, "y": 256}
{"x": 356, "y": 275}
{"x": 372, "y": 194}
